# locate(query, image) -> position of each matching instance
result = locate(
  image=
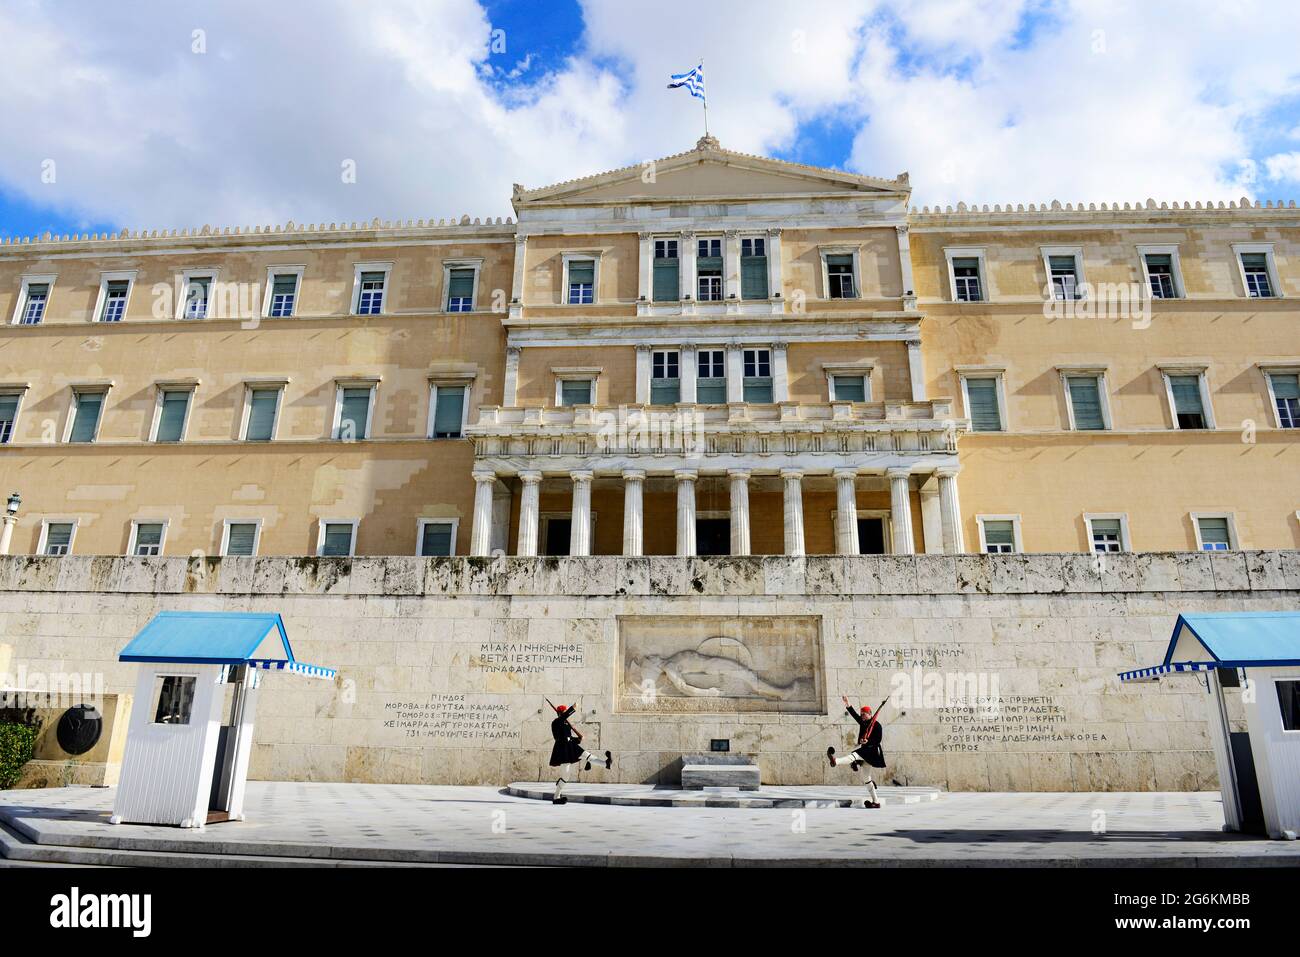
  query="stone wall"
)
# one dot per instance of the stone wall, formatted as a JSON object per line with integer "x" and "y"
{"x": 444, "y": 663}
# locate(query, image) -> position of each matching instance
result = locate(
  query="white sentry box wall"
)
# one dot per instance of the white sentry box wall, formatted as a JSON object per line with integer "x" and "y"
{"x": 1276, "y": 752}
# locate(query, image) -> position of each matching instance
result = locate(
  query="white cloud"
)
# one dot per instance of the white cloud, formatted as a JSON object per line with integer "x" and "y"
{"x": 1284, "y": 166}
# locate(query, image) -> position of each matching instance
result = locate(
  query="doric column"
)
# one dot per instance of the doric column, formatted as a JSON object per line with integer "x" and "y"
{"x": 480, "y": 539}
{"x": 900, "y": 509}
{"x": 685, "y": 511}
{"x": 510, "y": 388}
{"x": 580, "y": 516}
{"x": 846, "y": 512}
{"x": 792, "y": 479}
{"x": 739, "y": 511}
{"x": 950, "y": 511}
{"x": 528, "y": 513}
{"x": 780, "y": 373}
{"x": 643, "y": 358}
{"x": 633, "y": 512}
{"x": 916, "y": 369}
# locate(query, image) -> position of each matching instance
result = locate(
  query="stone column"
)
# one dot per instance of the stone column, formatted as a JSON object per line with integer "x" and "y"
{"x": 7, "y": 532}
{"x": 517, "y": 277}
{"x": 793, "y": 481}
{"x": 643, "y": 363}
{"x": 633, "y": 512}
{"x": 644, "y": 274}
{"x": 685, "y": 511}
{"x": 905, "y": 263}
{"x": 580, "y": 516}
{"x": 774, "y": 288}
{"x": 846, "y": 512}
{"x": 916, "y": 369}
{"x": 780, "y": 373}
{"x": 735, "y": 374}
{"x": 730, "y": 265}
{"x": 950, "y": 511}
{"x": 687, "y": 369}
{"x": 480, "y": 539}
{"x": 510, "y": 388}
{"x": 739, "y": 511}
{"x": 686, "y": 251}
{"x": 900, "y": 505}
{"x": 528, "y": 517}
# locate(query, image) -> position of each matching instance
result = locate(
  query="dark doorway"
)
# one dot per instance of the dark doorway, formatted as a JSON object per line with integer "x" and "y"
{"x": 557, "y": 536}
{"x": 871, "y": 536}
{"x": 713, "y": 536}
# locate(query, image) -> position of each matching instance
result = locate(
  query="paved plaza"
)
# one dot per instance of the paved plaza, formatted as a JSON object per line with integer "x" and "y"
{"x": 359, "y": 824}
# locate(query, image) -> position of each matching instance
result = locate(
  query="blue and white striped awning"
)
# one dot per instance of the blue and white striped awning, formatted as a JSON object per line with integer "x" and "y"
{"x": 1228, "y": 639}
{"x": 220, "y": 638}
{"x": 293, "y": 667}
{"x": 1171, "y": 668}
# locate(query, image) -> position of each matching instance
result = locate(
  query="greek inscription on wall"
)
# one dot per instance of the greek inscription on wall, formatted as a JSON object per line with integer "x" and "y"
{"x": 527, "y": 657}
{"x": 453, "y": 719}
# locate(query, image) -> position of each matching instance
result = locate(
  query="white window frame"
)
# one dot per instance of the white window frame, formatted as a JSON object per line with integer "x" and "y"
{"x": 251, "y": 386}
{"x": 19, "y": 389}
{"x": 271, "y": 273}
{"x": 990, "y": 372}
{"x": 1175, "y": 265}
{"x": 592, "y": 375}
{"x": 1269, "y": 369}
{"x": 1017, "y": 543}
{"x": 833, "y": 369}
{"x": 79, "y": 390}
{"x": 357, "y": 269}
{"x": 422, "y": 523}
{"x": 856, "y": 253}
{"x": 1201, "y": 371}
{"x": 135, "y": 531}
{"x": 968, "y": 252}
{"x": 163, "y": 387}
{"x": 594, "y": 258}
{"x": 447, "y": 266}
{"x": 45, "y": 532}
{"x": 1269, "y": 260}
{"x": 1103, "y": 393}
{"x": 449, "y": 382}
{"x": 1080, "y": 279}
{"x": 21, "y": 305}
{"x": 257, "y": 534}
{"x": 1234, "y": 543}
{"x": 320, "y": 534}
{"x": 339, "y": 386}
{"x": 127, "y": 276}
{"x": 1125, "y": 542}
{"x": 213, "y": 274}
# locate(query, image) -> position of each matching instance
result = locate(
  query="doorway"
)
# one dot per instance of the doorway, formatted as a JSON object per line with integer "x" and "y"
{"x": 713, "y": 536}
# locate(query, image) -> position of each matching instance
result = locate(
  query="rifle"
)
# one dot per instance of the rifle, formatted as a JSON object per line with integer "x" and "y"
{"x": 571, "y": 727}
{"x": 875, "y": 716}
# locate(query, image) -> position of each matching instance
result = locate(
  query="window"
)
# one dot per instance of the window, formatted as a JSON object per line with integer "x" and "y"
{"x": 198, "y": 295}
{"x": 31, "y": 302}
{"x": 263, "y": 406}
{"x": 1213, "y": 533}
{"x": 337, "y": 539}
{"x": 352, "y": 413}
{"x": 999, "y": 536}
{"x": 1064, "y": 273}
{"x": 665, "y": 277}
{"x": 147, "y": 538}
{"x": 1108, "y": 534}
{"x": 582, "y": 282}
{"x": 983, "y": 402}
{"x": 849, "y": 388}
{"x": 86, "y": 409}
{"x": 1288, "y": 703}
{"x": 966, "y": 279}
{"x": 711, "y": 377}
{"x": 170, "y": 418}
{"x": 173, "y": 699}
{"x": 1257, "y": 275}
{"x": 1160, "y": 275}
{"x": 1284, "y": 385}
{"x": 115, "y": 294}
{"x": 56, "y": 538}
{"x": 576, "y": 391}
{"x": 708, "y": 270}
{"x": 758, "y": 375}
{"x": 437, "y": 537}
{"x": 448, "y": 413}
{"x": 370, "y": 286}
{"x": 1087, "y": 412}
{"x": 284, "y": 294}
{"x": 8, "y": 415}
{"x": 753, "y": 268}
{"x": 240, "y": 538}
{"x": 1187, "y": 401}
{"x": 460, "y": 289}
{"x": 665, "y": 378}
{"x": 839, "y": 276}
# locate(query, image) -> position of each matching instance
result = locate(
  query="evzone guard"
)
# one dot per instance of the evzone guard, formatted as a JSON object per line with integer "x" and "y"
{"x": 568, "y": 750}
{"x": 868, "y": 750}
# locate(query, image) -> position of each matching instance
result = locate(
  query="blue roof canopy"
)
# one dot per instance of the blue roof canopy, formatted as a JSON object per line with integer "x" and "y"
{"x": 219, "y": 638}
{"x": 1229, "y": 639}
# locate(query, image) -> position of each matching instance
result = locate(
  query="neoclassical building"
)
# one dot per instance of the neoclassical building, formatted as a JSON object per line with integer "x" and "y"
{"x": 714, "y": 353}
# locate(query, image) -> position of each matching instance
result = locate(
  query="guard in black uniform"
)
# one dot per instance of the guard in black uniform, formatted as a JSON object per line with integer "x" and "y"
{"x": 868, "y": 751}
{"x": 568, "y": 750}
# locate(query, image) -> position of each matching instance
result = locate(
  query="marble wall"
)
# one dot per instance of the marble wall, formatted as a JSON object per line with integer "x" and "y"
{"x": 1003, "y": 668}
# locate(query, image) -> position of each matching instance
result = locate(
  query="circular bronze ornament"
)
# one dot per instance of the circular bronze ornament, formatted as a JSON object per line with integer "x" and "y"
{"x": 79, "y": 729}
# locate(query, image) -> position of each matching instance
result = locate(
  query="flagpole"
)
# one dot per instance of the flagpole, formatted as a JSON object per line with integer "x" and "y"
{"x": 705, "y": 100}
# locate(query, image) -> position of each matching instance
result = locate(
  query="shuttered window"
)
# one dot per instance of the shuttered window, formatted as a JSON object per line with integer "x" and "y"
{"x": 711, "y": 377}
{"x": 8, "y": 417}
{"x": 1259, "y": 284}
{"x": 58, "y": 538}
{"x": 171, "y": 416}
{"x": 839, "y": 276}
{"x": 241, "y": 538}
{"x": 575, "y": 391}
{"x": 1065, "y": 277}
{"x": 115, "y": 293}
{"x": 435, "y": 539}
{"x": 1085, "y": 401}
{"x": 85, "y": 420}
{"x": 1188, "y": 410}
{"x": 1286, "y": 393}
{"x": 460, "y": 290}
{"x": 708, "y": 270}
{"x": 262, "y": 405}
{"x": 753, "y": 268}
{"x": 1214, "y": 534}
{"x": 337, "y": 540}
{"x": 34, "y": 308}
{"x": 999, "y": 536}
{"x": 1107, "y": 535}
{"x": 982, "y": 394}
{"x": 850, "y": 388}
{"x": 448, "y": 411}
{"x": 353, "y": 413}
{"x": 582, "y": 282}
{"x": 284, "y": 291}
{"x": 966, "y": 278}
{"x": 666, "y": 287}
{"x": 665, "y": 378}
{"x": 148, "y": 538}
{"x": 1160, "y": 275}
{"x": 370, "y": 295}
{"x": 197, "y": 292}
{"x": 757, "y": 385}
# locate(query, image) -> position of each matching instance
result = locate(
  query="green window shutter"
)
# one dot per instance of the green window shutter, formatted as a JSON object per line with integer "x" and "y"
{"x": 148, "y": 538}
{"x": 57, "y": 538}
{"x": 436, "y": 540}
{"x": 707, "y": 264}
{"x": 1214, "y": 532}
{"x": 1254, "y": 261}
{"x": 757, "y": 389}
{"x": 665, "y": 391}
{"x": 984, "y": 413}
{"x": 1105, "y": 526}
{"x": 711, "y": 391}
{"x": 285, "y": 285}
{"x": 355, "y": 411}
{"x": 999, "y": 532}
{"x": 1159, "y": 262}
{"x": 1061, "y": 263}
{"x": 575, "y": 392}
{"x": 666, "y": 287}
{"x": 261, "y": 414}
{"x": 8, "y": 413}
{"x": 850, "y": 388}
{"x": 840, "y": 259}
{"x": 753, "y": 277}
{"x": 1187, "y": 394}
{"x": 86, "y": 420}
{"x": 582, "y": 270}
{"x": 462, "y": 284}
{"x": 449, "y": 411}
{"x": 1284, "y": 387}
{"x": 241, "y": 538}
{"x": 1085, "y": 398}
{"x": 338, "y": 540}
{"x": 171, "y": 420}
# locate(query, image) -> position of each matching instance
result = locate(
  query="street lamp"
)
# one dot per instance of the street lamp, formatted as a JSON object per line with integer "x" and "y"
{"x": 15, "y": 500}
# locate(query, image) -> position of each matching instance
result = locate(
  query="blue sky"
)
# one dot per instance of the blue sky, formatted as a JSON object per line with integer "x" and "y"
{"x": 180, "y": 113}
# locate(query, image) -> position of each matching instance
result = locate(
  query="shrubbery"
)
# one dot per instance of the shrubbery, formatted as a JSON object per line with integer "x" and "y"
{"x": 17, "y": 741}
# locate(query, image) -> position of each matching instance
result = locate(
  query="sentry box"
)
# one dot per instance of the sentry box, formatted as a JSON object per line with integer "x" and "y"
{"x": 1249, "y": 662}
{"x": 190, "y": 735}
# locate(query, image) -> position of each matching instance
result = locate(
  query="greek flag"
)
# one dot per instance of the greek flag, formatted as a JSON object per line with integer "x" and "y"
{"x": 693, "y": 81}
